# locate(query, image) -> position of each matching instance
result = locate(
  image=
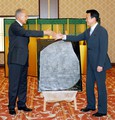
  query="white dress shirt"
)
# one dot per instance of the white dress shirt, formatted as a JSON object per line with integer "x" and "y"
{"x": 93, "y": 27}
{"x": 19, "y": 23}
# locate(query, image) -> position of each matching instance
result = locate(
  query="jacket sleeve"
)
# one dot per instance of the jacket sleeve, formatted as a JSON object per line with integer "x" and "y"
{"x": 20, "y": 31}
{"x": 103, "y": 47}
{"x": 75, "y": 38}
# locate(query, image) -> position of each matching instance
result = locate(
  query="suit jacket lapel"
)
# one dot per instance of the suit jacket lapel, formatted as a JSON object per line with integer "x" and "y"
{"x": 94, "y": 32}
{"x": 88, "y": 32}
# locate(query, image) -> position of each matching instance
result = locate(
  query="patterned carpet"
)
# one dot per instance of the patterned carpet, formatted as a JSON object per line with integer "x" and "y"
{"x": 57, "y": 110}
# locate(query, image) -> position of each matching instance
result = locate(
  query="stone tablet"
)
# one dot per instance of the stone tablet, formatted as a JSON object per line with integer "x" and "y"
{"x": 59, "y": 67}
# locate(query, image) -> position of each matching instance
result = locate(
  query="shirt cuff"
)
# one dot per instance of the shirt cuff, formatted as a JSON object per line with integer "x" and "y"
{"x": 64, "y": 37}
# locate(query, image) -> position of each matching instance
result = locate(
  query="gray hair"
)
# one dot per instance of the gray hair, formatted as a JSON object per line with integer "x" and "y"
{"x": 18, "y": 11}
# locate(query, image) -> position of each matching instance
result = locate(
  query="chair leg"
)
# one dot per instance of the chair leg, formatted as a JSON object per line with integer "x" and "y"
{"x": 44, "y": 109}
{"x": 75, "y": 104}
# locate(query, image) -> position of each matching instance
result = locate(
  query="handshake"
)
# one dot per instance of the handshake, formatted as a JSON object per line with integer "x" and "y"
{"x": 55, "y": 36}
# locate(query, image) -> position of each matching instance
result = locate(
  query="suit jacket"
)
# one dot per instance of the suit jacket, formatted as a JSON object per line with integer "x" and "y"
{"x": 18, "y": 43}
{"x": 97, "y": 45}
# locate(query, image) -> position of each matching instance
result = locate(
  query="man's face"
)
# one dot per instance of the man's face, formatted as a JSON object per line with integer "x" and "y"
{"x": 90, "y": 21}
{"x": 23, "y": 17}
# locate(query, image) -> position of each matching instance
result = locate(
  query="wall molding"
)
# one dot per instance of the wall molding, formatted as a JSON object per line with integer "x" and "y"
{"x": 113, "y": 64}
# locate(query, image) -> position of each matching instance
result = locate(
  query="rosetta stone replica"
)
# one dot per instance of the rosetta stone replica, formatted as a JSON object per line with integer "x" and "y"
{"x": 59, "y": 67}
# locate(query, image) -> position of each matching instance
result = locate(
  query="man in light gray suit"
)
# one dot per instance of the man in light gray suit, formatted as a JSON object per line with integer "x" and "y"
{"x": 97, "y": 62}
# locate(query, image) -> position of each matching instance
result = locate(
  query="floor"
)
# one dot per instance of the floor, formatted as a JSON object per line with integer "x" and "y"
{"x": 56, "y": 110}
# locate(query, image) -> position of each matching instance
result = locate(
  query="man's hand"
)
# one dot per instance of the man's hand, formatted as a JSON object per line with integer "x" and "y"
{"x": 48, "y": 32}
{"x": 58, "y": 36}
{"x": 55, "y": 36}
{"x": 99, "y": 69}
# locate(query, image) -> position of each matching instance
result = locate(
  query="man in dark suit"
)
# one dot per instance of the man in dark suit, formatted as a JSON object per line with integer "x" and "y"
{"x": 97, "y": 62}
{"x": 18, "y": 60}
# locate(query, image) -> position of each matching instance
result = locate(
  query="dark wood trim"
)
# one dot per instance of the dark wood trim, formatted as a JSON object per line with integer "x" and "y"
{"x": 113, "y": 64}
{"x": 39, "y": 7}
{"x": 58, "y": 9}
{"x": 2, "y": 52}
{"x": 7, "y": 16}
{"x": 2, "y": 65}
{"x": 14, "y": 16}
